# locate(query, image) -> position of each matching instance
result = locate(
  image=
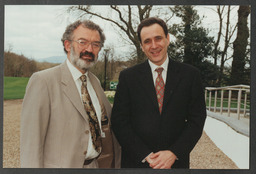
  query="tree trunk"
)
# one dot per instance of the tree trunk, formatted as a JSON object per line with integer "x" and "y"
{"x": 240, "y": 44}
{"x": 215, "y": 52}
{"x": 187, "y": 39}
{"x": 224, "y": 52}
{"x": 141, "y": 57}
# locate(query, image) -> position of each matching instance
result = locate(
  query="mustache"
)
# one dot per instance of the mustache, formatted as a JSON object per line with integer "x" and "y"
{"x": 86, "y": 53}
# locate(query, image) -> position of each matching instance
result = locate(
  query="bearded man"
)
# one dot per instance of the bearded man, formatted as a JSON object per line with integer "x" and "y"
{"x": 65, "y": 114}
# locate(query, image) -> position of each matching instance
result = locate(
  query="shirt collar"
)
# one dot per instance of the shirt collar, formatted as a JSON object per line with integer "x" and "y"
{"x": 164, "y": 65}
{"x": 76, "y": 74}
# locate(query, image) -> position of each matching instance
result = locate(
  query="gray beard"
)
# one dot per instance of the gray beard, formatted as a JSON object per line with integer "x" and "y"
{"x": 79, "y": 63}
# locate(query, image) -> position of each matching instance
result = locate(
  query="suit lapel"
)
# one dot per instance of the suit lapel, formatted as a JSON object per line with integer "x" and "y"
{"x": 172, "y": 79}
{"x": 147, "y": 83}
{"x": 100, "y": 93}
{"x": 70, "y": 90}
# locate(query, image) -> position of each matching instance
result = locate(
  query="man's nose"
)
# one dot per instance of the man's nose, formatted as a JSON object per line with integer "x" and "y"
{"x": 154, "y": 45}
{"x": 89, "y": 48}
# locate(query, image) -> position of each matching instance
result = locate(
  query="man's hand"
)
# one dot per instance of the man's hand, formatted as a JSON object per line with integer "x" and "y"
{"x": 161, "y": 160}
{"x": 148, "y": 159}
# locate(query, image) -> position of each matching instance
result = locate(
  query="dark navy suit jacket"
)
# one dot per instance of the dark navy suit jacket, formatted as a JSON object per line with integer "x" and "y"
{"x": 138, "y": 124}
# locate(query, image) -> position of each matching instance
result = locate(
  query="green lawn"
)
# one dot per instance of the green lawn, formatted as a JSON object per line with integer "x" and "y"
{"x": 14, "y": 87}
{"x": 225, "y": 103}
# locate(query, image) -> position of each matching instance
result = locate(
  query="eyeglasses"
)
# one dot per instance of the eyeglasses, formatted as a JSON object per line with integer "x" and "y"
{"x": 85, "y": 43}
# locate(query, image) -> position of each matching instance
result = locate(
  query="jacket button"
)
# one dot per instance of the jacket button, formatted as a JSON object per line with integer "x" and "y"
{"x": 85, "y": 152}
{"x": 87, "y": 131}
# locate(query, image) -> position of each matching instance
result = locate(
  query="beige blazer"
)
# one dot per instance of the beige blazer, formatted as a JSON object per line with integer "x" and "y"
{"x": 54, "y": 125}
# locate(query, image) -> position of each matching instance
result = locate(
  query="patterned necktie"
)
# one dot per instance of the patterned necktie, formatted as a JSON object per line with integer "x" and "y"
{"x": 160, "y": 88}
{"x": 93, "y": 120}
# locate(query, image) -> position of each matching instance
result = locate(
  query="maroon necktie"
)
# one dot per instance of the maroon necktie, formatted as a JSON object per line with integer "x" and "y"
{"x": 159, "y": 88}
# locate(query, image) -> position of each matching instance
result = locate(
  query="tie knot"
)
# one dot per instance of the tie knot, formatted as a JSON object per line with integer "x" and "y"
{"x": 159, "y": 70}
{"x": 83, "y": 78}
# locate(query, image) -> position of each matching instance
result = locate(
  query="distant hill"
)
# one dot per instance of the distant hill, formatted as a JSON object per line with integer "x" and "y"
{"x": 53, "y": 59}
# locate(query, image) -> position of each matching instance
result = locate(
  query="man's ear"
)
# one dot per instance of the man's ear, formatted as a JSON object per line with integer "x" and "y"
{"x": 67, "y": 45}
{"x": 168, "y": 38}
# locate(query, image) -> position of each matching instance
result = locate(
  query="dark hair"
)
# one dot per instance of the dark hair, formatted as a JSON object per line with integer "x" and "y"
{"x": 150, "y": 21}
{"x": 68, "y": 34}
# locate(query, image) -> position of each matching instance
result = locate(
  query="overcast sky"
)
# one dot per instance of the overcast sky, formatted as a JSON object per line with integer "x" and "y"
{"x": 36, "y": 30}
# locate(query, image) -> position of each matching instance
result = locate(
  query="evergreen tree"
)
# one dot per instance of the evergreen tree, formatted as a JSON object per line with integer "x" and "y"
{"x": 193, "y": 45}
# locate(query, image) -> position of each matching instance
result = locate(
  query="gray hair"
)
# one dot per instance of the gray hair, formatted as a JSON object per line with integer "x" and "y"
{"x": 68, "y": 34}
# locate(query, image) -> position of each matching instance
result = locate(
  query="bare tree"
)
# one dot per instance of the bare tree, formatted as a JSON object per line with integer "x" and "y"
{"x": 20, "y": 66}
{"x": 227, "y": 36}
{"x": 127, "y": 21}
{"x": 216, "y": 46}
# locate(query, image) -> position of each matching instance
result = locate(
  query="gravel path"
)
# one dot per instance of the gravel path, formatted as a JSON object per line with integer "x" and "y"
{"x": 205, "y": 155}
{"x": 11, "y": 134}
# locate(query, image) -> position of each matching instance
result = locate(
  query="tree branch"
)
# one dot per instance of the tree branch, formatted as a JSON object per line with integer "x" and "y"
{"x": 127, "y": 31}
{"x": 104, "y": 18}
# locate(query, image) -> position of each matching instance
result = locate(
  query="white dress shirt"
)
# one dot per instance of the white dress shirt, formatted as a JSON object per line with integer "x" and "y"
{"x": 154, "y": 67}
{"x": 76, "y": 74}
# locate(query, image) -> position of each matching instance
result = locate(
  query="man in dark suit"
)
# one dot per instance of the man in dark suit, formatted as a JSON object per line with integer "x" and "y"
{"x": 159, "y": 108}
